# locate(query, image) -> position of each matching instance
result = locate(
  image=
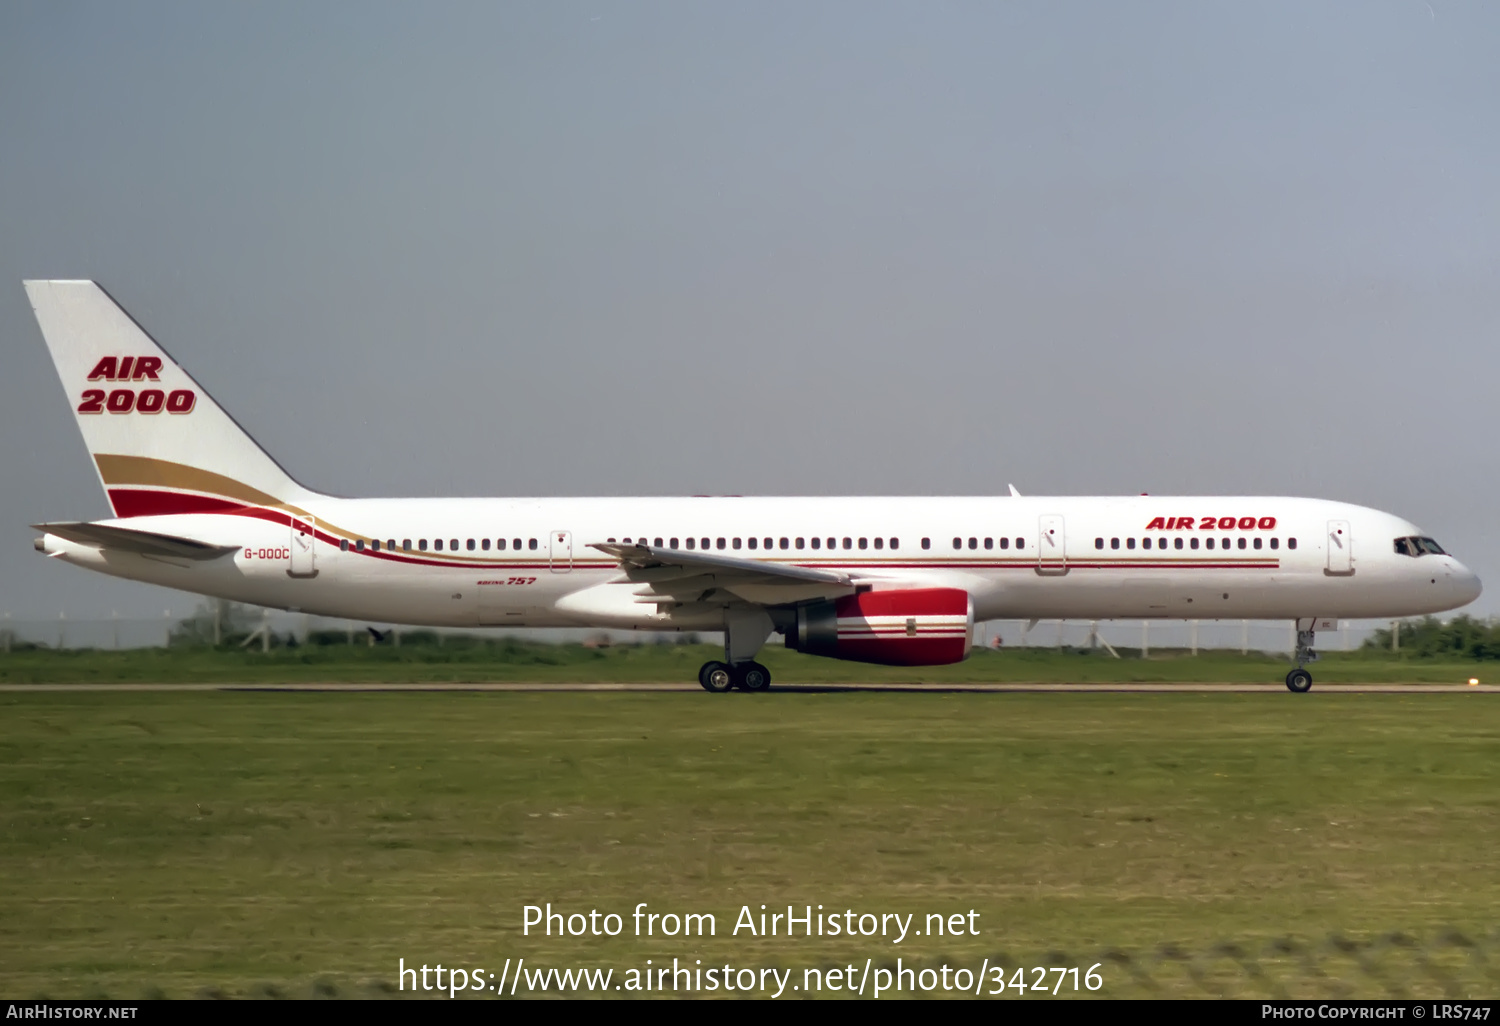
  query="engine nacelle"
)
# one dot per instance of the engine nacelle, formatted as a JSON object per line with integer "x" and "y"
{"x": 917, "y": 627}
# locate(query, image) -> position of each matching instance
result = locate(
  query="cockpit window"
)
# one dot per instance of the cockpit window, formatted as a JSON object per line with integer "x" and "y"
{"x": 1415, "y": 546}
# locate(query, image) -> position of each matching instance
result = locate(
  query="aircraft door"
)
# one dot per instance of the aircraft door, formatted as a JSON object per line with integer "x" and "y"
{"x": 1051, "y": 545}
{"x": 562, "y": 551}
{"x": 302, "y": 555}
{"x": 1340, "y": 548}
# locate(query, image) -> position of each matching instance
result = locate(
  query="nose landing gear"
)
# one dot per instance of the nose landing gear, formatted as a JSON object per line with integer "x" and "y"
{"x": 1299, "y": 680}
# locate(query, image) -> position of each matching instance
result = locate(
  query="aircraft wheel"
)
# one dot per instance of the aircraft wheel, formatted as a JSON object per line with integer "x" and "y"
{"x": 715, "y": 676}
{"x": 752, "y": 677}
{"x": 1299, "y": 680}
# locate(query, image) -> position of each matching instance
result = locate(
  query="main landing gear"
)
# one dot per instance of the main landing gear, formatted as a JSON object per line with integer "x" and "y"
{"x": 717, "y": 676}
{"x": 1299, "y": 680}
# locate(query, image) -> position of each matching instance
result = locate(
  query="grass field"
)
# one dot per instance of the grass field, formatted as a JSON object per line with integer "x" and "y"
{"x": 467, "y": 659}
{"x": 265, "y": 843}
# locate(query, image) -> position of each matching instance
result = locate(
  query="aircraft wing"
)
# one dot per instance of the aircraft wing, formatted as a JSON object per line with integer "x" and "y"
{"x": 678, "y": 575}
{"x": 128, "y": 539}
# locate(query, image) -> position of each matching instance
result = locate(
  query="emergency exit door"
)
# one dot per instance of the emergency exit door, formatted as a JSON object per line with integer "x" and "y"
{"x": 561, "y": 551}
{"x": 301, "y": 560}
{"x": 1340, "y": 548}
{"x": 1051, "y": 545}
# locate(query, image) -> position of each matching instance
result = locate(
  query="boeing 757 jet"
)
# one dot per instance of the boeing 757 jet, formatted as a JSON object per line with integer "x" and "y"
{"x": 200, "y": 507}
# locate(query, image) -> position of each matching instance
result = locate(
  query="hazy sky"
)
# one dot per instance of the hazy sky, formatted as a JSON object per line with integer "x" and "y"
{"x": 800, "y": 248}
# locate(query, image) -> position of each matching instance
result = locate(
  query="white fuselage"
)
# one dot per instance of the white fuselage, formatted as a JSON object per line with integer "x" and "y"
{"x": 1017, "y": 557}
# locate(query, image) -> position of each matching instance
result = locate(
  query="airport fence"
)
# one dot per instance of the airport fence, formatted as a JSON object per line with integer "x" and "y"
{"x": 269, "y": 628}
{"x": 1447, "y": 963}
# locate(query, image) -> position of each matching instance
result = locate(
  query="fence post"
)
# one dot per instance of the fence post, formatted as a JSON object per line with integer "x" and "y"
{"x": 396, "y": 636}
{"x": 1344, "y": 630}
{"x": 5, "y": 635}
{"x": 1060, "y": 625}
{"x": 1145, "y": 638}
{"x": 218, "y": 622}
{"x": 62, "y": 629}
{"x": 1244, "y": 637}
{"x": 114, "y": 623}
{"x": 265, "y": 630}
{"x": 1193, "y": 635}
{"x": 166, "y": 628}
{"x": 1395, "y": 635}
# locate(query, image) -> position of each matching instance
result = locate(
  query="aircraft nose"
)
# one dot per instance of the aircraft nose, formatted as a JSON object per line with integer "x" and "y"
{"x": 1465, "y": 583}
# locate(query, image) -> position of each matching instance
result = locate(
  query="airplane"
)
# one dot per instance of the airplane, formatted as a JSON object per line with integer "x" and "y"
{"x": 199, "y": 506}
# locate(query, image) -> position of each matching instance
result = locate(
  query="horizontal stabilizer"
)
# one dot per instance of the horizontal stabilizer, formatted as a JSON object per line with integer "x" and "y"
{"x": 128, "y": 539}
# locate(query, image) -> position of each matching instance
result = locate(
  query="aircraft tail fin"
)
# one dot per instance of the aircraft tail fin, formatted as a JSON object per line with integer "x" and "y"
{"x": 159, "y": 442}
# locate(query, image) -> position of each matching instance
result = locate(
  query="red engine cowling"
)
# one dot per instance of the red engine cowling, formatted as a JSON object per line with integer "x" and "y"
{"x": 919, "y": 627}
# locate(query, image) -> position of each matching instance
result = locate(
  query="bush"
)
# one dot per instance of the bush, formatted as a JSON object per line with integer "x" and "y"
{"x": 1463, "y": 637}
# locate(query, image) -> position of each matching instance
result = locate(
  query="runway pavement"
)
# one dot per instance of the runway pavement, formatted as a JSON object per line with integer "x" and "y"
{"x": 1116, "y": 688}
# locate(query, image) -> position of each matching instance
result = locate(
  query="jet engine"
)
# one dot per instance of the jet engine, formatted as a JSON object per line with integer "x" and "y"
{"x": 917, "y": 627}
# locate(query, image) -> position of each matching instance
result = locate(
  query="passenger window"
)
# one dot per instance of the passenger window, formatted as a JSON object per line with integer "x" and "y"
{"x": 958, "y": 543}
{"x": 422, "y": 544}
{"x": 895, "y": 543}
{"x": 1224, "y": 544}
{"x": 1193, "y": 544}
{"x": 673, "y": 543}
{"x": 437, "y": 543}
{"x": 800, "y": 542}
{"x": 1178, "y": 543}
{"x": 705, "y": 543}
{"x": 1257, "y": 543}
{"x": 848, "y": 543}
{"x": 770, "y": 543}
{"x": 833, "y": 543}
{"x": 753, "y": 543}
{"x": 973, "y": 543}
{"x": 359, "y": 546}
{"x": 719, "y": 544}
{"x": 1098, "y": 543}
{"x": 1005, "y": 543}
{"x": 343, "y": 544}
{"x": 817, "y": 542}
{"x": 691, "y": 542}
{"x": 486, "y": 544}
{"x": 515, "y": 543}
{"x": 453, "y": 544}
{"x": 470, "y": 545}
{"x": 989, "y": 543}
{"x": 880, "y": 543}
{"x": 500, "y": 544}
{"x": 1114, "y": 543}
{"x": 1275, "y": 543}
{"x": 1291, "y": 543}
{"x": 734, "y": 544}
{"x": 1242, "y": 543}
{"x": 864, "y": 543}
{"x": 926, "y": 543}
{"x": 1208, "y": 542}
{"x": 375, "y": 545}
{"x": 785, "y": 543}
{"x": 531, "y": 543}
{"x": 405, "y": 544}
{"x": 1130, "y": 543}
{"x": 1020, "y": 543}
{"x": 657, "y": 543}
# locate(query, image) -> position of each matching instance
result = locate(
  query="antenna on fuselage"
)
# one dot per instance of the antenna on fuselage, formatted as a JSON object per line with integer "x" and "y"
{"x": 1013, "y": 491}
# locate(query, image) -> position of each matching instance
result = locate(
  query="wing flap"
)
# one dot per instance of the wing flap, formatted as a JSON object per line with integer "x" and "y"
{"x": 128, "y": 539}
{"x": 678, "y": 572}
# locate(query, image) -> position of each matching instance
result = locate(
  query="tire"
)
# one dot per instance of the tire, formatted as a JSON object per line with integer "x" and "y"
{"x": 752, "y": 677}
{"x": 715, "y": 677}
{"x": 1299, "y": 681}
